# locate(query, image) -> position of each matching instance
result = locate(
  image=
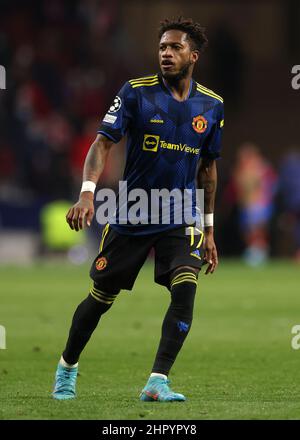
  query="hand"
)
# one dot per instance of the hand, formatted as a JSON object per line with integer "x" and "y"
{"x": 83, "y": 209}
{"x": 211, "y": 254}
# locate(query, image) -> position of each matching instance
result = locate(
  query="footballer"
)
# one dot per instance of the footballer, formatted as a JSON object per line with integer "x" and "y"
{"x": 157, "y": 112}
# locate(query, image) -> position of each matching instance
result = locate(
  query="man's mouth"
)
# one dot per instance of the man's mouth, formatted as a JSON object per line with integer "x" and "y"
{"x": 166, "y": 64}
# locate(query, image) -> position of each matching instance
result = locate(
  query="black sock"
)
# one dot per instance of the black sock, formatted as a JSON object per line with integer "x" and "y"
{"x": 176, "y": 326}
{"x": 85, "y": 320}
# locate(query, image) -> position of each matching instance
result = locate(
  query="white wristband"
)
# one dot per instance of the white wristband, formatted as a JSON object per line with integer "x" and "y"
{"x": 209, "y": 219}
{"x": 88, "y": 185}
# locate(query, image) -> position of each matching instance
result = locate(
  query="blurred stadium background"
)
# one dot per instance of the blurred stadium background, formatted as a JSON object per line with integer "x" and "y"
{"x": 65, "y": 61}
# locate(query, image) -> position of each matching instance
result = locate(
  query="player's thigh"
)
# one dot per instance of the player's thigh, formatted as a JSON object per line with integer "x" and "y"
{"x": 119, "y": 260}
{"x": 181, "y": 247}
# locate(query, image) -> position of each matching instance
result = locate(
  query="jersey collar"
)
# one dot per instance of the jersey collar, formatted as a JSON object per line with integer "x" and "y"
{"x": 167, "y": 90}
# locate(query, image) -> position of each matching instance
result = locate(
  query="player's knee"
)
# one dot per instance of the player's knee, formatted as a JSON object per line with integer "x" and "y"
{"x": 103, "y": 297}
{"x": 185, "y": 275}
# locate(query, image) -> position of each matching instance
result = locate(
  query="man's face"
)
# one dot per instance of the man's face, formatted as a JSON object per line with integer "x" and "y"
{"x": 175, "y": 55}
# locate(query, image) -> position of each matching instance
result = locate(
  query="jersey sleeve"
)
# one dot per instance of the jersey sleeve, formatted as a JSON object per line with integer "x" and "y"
{"x": 119, "y": 115}
{"x": 212, "y": 146}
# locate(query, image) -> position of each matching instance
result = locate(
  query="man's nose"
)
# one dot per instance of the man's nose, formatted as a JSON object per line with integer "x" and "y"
{"x": 167, "y": 52}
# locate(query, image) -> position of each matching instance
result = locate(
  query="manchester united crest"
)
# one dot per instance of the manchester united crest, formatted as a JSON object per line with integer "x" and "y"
{"x": 199, "y": 124}
{"x": 101, "y": 263}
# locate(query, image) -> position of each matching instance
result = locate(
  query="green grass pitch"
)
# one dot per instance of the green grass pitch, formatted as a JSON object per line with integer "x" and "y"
{"x": 237, "y": 362}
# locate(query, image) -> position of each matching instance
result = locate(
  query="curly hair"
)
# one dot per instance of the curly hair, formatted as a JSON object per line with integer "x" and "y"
{"x": 196, "y": 33}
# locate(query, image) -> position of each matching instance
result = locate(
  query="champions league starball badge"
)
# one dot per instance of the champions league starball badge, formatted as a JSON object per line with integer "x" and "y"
{"x": 116, "y": 105}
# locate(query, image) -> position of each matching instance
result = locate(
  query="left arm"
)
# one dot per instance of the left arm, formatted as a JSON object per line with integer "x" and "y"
{"x": 207, "y": 179}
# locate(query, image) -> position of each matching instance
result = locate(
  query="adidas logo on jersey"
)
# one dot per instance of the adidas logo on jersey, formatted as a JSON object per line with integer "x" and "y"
{"x": 157, "y": 119}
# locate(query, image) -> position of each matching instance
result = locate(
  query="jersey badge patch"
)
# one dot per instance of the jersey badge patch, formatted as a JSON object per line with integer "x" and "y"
{"x": 199, "y": 124}
{"x": 109, "y": 119}
{"x": 116, "y": 105}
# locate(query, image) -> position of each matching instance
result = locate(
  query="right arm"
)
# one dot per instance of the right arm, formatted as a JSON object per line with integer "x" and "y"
{"x": 93, "y": 168}
{"x": 114, "y": 124}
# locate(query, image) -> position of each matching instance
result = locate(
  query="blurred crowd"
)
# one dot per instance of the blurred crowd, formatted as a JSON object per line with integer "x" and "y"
{"x": 59, "y": 85}
{"x": 260, "y": 206}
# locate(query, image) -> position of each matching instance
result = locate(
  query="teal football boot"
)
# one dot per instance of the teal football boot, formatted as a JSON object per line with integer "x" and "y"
{"x": 157, "y": 389}
{"x": 65, "y": 383}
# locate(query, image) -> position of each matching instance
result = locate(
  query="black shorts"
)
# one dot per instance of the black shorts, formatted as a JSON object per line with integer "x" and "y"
{"x": 121, "y": 256}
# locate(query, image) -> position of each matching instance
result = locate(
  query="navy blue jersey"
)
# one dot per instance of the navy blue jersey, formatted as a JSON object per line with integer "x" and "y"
{"x": 165, "y": 139}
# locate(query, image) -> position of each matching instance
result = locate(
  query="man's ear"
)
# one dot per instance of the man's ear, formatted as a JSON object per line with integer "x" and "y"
{"x": 195, "y": 56}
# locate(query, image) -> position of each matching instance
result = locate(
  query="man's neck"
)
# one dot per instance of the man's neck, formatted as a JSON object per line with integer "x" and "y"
{"x": 180, "y": 88}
